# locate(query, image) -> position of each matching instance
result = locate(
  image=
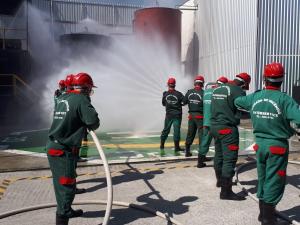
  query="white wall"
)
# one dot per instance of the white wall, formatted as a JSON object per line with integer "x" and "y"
{"x": 227, "y": 37}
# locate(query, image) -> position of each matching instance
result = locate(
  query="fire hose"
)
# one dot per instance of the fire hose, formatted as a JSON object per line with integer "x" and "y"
{"x": 108, "y": 203}
{"x": 239, "y": 168}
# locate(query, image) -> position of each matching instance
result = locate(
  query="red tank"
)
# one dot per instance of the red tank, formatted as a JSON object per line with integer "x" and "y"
{"x": 162, "y": 23}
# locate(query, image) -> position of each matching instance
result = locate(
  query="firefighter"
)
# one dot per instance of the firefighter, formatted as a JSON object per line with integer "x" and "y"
{"x": 206, "y": 136}
{"x": 271, "y": 113}
{"x": 194, "y": 99}
{"x": 61, "y": 90}
{"x": 73, "y": 114}
{"x": 224, "y": 121}
{"x": 172, "y": 100}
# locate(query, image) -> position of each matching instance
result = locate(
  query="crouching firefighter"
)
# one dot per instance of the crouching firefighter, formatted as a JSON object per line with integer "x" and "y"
{"x": 73, "y": 113}
{"x": 194, "y": 99}
{"x": 225, "y": 118}
{"x": 271, "y": 113}
{"x": 172, "y": 100}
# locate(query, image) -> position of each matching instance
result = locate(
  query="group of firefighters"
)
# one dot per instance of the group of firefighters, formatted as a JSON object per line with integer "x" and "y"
{"x": 214, "y": 113}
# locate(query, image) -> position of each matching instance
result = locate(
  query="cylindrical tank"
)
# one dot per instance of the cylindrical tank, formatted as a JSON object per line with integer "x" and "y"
{"x": 162, "y": 23}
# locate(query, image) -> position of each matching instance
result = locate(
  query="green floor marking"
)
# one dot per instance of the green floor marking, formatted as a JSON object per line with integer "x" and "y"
{"x": 115, "y": 145}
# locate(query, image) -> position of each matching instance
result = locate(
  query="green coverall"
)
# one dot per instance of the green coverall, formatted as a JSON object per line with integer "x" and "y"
{"x": 271, "y": 113}
{"x": 224, "y": 120}
{"x": 73, "y": 114}
{"x": 172, "y": 100}
{"x": 194, "y": 99}
{"x": 206, "y": 136}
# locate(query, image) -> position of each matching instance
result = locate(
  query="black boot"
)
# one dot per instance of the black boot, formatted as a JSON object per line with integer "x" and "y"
{"x": 201, "y": 163}
{"x": 218, "y": 176}
{"x": 207, "y": 159}
{"x": 62, "y": 220}
{"x": 177, "y": 147}
{"x": 188, "y": 151}
{"x": 269, "y": 215}
{"x": 162, "y": 148}
{"x": 75, "y": 213}
{"x": 226, "y": 190}
{"x": 260, "y": 215}
{"x": 162, "y": 145}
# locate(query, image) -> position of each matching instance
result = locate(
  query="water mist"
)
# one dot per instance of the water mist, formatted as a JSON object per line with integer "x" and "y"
{"x": 131, "y": 76}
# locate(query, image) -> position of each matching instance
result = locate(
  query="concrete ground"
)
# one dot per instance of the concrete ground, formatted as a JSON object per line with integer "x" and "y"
{"x": 176, "y": 188}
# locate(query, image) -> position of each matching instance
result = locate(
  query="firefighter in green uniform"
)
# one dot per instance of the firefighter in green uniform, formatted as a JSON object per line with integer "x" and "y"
{"x": 194, "y": 99}
{"x": 73, "y": 114}
{"x": 172, "y": 100}
{"x": 271, "y": 113}
{"x": 224, "y": 121}
{"x": 206, "y": 136}
{"x": 61, "y": 90}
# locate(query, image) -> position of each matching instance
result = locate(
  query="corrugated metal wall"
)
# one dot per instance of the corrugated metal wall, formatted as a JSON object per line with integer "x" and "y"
{"x": 68, "y": 14}
{"x": 278, "y": 38}
{"x": 227, "y": 37}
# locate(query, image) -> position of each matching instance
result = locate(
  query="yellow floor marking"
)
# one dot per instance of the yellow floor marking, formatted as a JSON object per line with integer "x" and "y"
{"x": 137, "y": 146}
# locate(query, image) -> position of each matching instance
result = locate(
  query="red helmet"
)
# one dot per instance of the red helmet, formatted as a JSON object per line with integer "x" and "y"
{"x": 171, "y": 81}
{"x": 83, "y": 80}
{"x": 69, "y": 80}
{"x": 61, "y": 84}
{"x": 222, "y": 80}
{"x": 199, "y": 78}
{"x": 274, "y": 72}
{"x": 244, "y": 77}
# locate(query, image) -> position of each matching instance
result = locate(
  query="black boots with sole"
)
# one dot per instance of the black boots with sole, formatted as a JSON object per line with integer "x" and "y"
{"x": 226, "y": 190}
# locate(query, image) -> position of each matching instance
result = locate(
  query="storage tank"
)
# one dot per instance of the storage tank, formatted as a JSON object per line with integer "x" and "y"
{"x": 164, "y": 23}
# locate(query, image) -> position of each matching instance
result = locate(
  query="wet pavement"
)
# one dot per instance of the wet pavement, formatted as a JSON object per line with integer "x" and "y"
{"x": 176, "y": 188}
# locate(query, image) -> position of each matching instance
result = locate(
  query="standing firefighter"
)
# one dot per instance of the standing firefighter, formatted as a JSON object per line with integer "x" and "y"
{"x": 61, "y": 90}
{"x": 271, "y": 113}
{"x": 172, "y": 100}
{"x": 194, "y": 99}
{"x": 224, "y": 121}
{"x": 206, "y": 136}
{"x": 73, "y": 114}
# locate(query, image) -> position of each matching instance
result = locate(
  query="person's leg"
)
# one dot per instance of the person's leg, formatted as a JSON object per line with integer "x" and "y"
{"x": 229, "y": 137}
{"x": 192, "y": 129}
{"x": 218, "y": 159}
{"x": 177, "y": 126}
{"x": 64, "y": 180}
{"x": 164, "y": 135}
{"x": 275, "y": 176}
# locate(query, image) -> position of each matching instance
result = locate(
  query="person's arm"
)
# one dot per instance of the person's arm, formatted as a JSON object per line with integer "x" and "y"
{"x": 185, "y": 98}
{"x": 88, "y": 115}
{"x": 292, "y": 110}
{"x": 243, "y": 103}
{"x": 164, "y": 99}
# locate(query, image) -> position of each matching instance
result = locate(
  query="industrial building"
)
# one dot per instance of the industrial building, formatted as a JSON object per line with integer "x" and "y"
{"x": 212, "y": 37}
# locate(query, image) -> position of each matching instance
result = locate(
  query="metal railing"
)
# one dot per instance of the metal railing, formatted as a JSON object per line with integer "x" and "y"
{"x": 4, "y": 37}
{"x": 13, "y": 85}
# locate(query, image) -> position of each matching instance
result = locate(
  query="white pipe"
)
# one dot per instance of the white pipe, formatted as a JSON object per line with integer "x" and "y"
{"x": 93, "y": 202}
{"x": 282, "y": 215}
{"x": 108, "y": 178}
{"x": 108, "y": 203}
